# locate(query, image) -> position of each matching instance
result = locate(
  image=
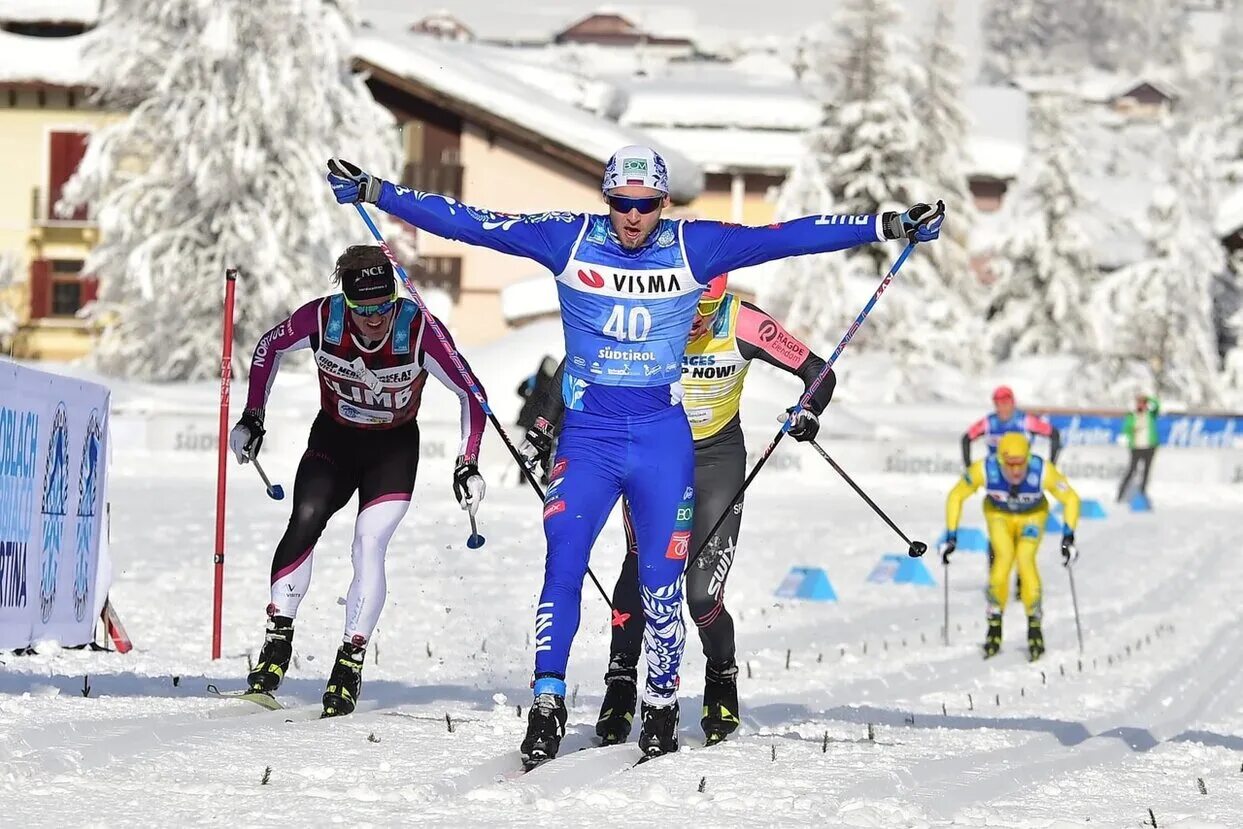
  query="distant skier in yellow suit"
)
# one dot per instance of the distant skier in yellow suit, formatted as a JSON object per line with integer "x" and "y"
{"x": 1015, "y": 508}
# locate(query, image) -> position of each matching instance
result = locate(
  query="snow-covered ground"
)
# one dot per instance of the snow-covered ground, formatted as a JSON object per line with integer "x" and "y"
{"x": 1146, "y": 713}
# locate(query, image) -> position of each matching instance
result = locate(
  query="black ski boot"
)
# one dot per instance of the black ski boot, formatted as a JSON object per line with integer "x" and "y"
{"x": 659, "y": 734}
{"x": 545, "y": 728}
{"x": 345, "y": 682}
{"x": 1035, "y": 639}
{"x": 620, "y": 696}
{"x": 992, "y": 639}
{"x": 274, "y": 658}
{"x": 720, "y": 715}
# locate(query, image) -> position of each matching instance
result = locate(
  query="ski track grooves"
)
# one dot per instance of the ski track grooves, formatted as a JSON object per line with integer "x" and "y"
{"x": 1191, "y": 691}
{"x": 78, "y": 746}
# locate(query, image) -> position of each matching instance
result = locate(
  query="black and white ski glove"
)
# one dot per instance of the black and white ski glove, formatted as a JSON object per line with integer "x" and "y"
{"x": 1070, "y": 553}
{"x": 247, "y": 436}
{"x": 948, "y": 546}
{"x": 468, "y": 485}
{"x": 350, "y": 184}
{"x": 537, "y": 444}
{"x": 920, "y": 223}
{"x": 804, "y": 425}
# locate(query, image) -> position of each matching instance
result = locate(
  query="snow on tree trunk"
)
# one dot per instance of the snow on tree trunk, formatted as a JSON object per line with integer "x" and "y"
{"x": 233, "y": 108}
{"x": 1044, "y": 264}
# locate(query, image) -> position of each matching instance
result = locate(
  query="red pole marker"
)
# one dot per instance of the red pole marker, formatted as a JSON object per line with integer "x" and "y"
{"x": 222, "y": 445}
{"x": 619, "y": 618}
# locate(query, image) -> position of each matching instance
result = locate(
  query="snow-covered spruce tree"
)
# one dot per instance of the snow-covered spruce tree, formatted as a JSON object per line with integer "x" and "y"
{"x": 872, "y": 154}
{"x": 803, "y": 193}
{"x": 233, "y": 108}
{"x": 1039, "y": 37}
{"x": 1044, "y": 265}
{"x": 943, "y": 156}
{"x": 1161, "y": 308}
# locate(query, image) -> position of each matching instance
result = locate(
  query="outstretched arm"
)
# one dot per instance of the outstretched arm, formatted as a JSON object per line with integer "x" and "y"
{"x": 716, "y": 247}
{"x": 546, "y": 238}
{"x": 762, "y": 337}
{"x": 299, "y": 330}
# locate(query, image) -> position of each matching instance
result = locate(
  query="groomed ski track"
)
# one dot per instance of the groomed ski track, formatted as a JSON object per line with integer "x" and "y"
{"x": 1153, "y": 710}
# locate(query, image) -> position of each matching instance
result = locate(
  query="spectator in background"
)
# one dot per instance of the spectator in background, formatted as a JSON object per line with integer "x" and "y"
{"x": 1139, "y": 429}
{"x": 537, "y": 391}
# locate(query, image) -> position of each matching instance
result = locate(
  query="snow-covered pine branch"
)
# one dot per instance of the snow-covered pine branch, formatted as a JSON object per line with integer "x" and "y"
{"x": 233, "y": 108}
{"x": 1044, "y": 264}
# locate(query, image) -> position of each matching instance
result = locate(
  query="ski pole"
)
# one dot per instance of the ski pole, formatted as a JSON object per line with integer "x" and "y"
{"x": 915, "y": 549}
{"x": 277, "y": 492}
{"x": 476, "y": 540}
{"x": 222, "y": 452}
{"x": 945, "y": 579}
{"x": 811, "y": 389}
{"x": 619, "y": 619}
{"x": 1074, "y": 599}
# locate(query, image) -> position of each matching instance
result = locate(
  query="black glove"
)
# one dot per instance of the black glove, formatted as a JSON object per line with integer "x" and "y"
{"x": 920, "y": 223}
{"x": 804, "y": 425}
{"x": 247, "y": 435}
{"x": 350, "y": 184}
{"x": 948, "y": 546}
{"x": 537, "y": 445}
{"x": 468, "y": 485}
{"x": 1070, "y": 553}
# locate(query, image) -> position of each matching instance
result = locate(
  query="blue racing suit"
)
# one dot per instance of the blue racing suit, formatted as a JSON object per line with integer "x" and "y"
{"x": 626, "y": 316}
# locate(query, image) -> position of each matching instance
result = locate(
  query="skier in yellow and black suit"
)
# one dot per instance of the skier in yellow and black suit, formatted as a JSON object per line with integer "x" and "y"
{"x": 1015, "y": 508}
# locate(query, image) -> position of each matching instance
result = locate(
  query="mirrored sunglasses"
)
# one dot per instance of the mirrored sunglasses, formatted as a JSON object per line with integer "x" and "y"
{"x": 372, "y": 310}
{"x": 645, "y": 205}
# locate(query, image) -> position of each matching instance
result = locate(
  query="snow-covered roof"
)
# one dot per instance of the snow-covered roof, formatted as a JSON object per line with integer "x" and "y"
{"x": 557, "y": 78}
{"x": 529, "y": 298}
{"x": 57, "y": 61}
{"x": 455, "y": 71}
{"x": 1097, "y": 86}
{"x": 997, "y": 131}
{"x": 85, "y": 12}
{"x": 735, "y": 150}
{"x": 719, "y": 98}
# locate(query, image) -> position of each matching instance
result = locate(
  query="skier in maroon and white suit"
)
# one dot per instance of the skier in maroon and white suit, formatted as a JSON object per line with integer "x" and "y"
{"x": 373, "y": 352}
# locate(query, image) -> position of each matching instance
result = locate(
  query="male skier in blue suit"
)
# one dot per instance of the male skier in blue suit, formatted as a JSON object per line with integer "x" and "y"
{"x": 628, "y": 283}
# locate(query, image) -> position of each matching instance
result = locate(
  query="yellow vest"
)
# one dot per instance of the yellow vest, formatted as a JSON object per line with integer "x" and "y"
{"x": 712, "y": 373}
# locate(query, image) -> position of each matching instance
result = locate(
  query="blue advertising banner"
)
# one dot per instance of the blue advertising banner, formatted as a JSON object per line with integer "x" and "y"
{"x": 1187, "y": 431}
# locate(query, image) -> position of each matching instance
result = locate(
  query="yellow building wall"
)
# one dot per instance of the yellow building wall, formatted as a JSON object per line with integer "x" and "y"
{"x": 24, "y": 128}
{"x": 718, "y": 204}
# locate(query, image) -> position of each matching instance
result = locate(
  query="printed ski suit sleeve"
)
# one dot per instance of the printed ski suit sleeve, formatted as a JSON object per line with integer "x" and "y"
{"x": 974, "y": 432}
{"x": 971, "y": 480}
{"x": 762, "y": 337}
{"x": 438, "y": 360}
{"x": 546, "y": 238}
{"x": 717, "y": 247}
{"x": 299, "y": 330}
{"x": 1055, "y": 484}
